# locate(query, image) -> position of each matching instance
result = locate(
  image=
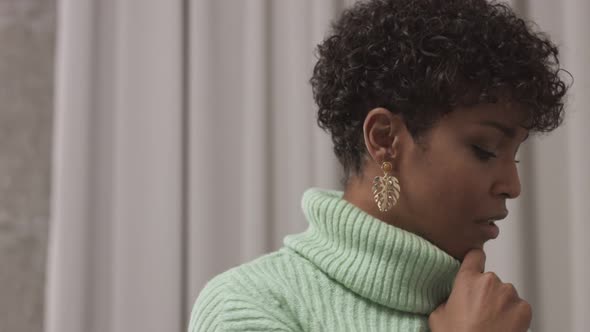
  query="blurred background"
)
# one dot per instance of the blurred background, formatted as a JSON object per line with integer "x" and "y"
{"x": 146, "y": 146}
{"x": 27, "y": 45}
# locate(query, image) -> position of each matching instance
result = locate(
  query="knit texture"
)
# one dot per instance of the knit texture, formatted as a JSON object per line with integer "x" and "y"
{"x": 347, "y": 272}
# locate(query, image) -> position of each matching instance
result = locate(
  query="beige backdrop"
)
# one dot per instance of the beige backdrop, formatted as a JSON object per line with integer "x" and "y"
{"x": 27, "y": 30}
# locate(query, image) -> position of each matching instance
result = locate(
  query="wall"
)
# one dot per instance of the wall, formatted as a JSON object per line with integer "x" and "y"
{"x": 27, "y": 36}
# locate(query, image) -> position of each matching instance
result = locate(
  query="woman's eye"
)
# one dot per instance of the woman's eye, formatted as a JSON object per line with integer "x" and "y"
{"x": 482, "y": 154}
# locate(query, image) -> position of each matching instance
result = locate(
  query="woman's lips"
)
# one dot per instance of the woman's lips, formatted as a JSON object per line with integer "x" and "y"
{"x": 488, "y": 225}
{"x": 490, "y": 230}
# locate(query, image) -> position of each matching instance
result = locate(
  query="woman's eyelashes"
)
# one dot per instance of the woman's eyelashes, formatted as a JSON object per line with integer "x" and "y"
{"x": 482, "y": 154}
{"x": 485, "y": 155}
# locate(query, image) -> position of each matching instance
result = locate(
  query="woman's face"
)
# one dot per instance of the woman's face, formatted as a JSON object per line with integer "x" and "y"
{"x": 461, "y": 176}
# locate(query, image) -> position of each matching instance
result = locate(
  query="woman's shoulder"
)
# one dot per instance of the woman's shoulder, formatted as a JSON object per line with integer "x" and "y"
{"x": 265, "y": 285}
{"x": 275, "y": 270}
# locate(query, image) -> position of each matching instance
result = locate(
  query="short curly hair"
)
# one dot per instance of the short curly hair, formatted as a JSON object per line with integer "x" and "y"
{"x": 422, "y": 59}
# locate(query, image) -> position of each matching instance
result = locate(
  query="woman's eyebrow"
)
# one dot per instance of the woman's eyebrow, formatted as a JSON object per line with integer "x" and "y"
{"x": 510, "y": 132}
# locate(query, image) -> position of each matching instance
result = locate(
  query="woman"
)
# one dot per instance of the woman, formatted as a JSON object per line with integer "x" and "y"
{"x": 427, "y": 102}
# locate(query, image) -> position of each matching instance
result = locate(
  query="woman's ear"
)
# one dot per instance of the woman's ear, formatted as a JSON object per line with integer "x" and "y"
{"x": 383, "y": 133}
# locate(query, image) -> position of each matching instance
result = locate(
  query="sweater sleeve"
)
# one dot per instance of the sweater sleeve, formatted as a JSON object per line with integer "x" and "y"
{"x": 222, "y": 308}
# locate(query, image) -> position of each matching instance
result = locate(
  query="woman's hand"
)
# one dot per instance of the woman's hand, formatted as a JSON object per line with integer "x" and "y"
{"x": 481, "y": 302}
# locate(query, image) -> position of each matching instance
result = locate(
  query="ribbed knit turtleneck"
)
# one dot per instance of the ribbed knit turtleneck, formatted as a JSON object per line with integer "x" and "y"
{"x": 378, "y": 261}
{"x": 347, "y": 272}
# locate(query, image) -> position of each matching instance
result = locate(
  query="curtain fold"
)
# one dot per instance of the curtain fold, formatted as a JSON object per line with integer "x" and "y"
{"x": 577, "y": 60}
{"x": 254, "y": 146}
{"x": 115, "y": 254}
{"x": 66, "y": 296}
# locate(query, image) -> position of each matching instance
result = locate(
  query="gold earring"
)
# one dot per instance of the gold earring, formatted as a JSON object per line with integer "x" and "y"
{"x": 386, "y": 188}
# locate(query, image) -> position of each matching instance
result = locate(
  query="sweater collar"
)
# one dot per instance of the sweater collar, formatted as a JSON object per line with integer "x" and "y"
{"x": 375, "y": 260}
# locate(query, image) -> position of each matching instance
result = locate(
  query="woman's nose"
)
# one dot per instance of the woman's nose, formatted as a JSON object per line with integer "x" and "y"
{"x": 508, "y": 181}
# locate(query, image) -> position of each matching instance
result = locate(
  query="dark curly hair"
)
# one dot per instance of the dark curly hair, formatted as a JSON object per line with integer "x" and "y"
{"x": 422, "y": 59}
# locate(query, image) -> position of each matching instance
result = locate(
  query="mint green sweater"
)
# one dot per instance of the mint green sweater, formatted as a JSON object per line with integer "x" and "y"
{"x": 347, "y": 272}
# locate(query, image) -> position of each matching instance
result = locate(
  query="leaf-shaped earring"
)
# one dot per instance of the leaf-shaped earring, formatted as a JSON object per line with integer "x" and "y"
{"x": 386, "y": 188}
